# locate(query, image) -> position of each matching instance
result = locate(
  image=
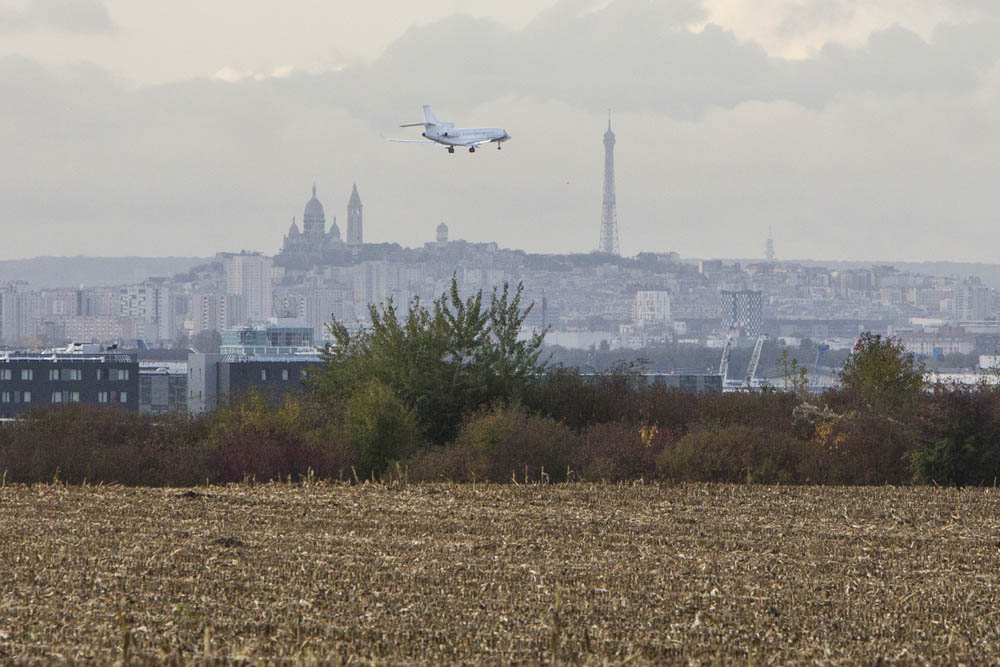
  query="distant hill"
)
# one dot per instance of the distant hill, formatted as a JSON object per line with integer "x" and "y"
{"x": 988, "y": 273}
{"x": 48, "y": 272}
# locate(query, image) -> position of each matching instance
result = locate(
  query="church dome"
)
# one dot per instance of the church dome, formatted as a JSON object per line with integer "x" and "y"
{"x": 314, "y": 211}
{"x": 314, "y": 219}
{"x": 335, "y": 230}
{"x": 294, "y": 229}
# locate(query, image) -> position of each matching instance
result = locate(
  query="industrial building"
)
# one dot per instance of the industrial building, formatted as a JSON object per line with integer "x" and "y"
{"x": 162, "y": 387}
{"x": 214, "y": 379}
{"x": 272, "y": 358}
{"x": 85, "y": 374}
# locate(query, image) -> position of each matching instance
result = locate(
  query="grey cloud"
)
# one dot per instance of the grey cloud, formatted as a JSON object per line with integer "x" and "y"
{"x": 816, "y": 13}
{"x": 12, "y": 21}
{"x": 631, "y": 54}
{"x": 71, "y": 16}
{"x": 839, "y": 144}
{"x": 641, "y": 56}
{"x": 894, "y": 61}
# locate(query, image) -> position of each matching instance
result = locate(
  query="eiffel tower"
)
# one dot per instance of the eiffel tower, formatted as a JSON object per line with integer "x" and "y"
{"x": 609, "y": 214}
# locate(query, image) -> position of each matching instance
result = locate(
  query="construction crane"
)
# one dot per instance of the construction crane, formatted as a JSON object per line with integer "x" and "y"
{"x": 727, "y": 351}
{"x": 755, "y": 359}
{"x": 820, "y": 353}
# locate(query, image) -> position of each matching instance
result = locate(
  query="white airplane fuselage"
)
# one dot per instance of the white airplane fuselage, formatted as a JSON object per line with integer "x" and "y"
{"x": 447, "y": 134}
{"x": 465, "y": 136}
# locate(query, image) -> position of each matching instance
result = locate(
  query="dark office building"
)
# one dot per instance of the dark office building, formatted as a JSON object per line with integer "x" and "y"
{"x": 693, "y": 382}
{"x": 216, "y": 378}
{"x": 696, "y": 383}
{"x": 162, "y": 387}
{"x": 29, "y": 379}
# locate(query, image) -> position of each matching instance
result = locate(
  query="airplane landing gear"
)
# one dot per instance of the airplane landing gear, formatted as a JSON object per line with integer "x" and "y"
{"x": 451, "y": 149}
{"x": 472, "y": 149}
{"x": 499, "y": 146}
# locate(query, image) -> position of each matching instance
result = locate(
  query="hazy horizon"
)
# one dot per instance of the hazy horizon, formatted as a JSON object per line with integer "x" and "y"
{"x": 855, "y": 132}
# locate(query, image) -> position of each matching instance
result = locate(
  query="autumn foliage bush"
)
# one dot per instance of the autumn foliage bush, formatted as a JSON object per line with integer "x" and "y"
{"x": 501, "y": 444}
{"x": 960, "y": 437}
{"x": 615, "y": 451}
{"x": 358, "y": 422}
{"x": 733, "y": 453}
{"x": 248, "y": 439}
{"x": 77, "y": 443}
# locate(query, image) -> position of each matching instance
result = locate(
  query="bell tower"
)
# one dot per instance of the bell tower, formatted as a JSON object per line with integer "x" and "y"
{"x": 355, "y": 235}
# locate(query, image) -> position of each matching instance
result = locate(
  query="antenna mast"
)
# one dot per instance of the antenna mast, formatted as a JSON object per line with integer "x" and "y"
{"x": 609, "y": 212}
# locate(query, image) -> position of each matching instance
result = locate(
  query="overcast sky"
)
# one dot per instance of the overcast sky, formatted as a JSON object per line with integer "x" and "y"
{"x": 854, "y": 129}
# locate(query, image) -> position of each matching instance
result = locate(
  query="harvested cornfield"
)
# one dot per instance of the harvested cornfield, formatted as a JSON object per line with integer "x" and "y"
{"x": 499, "y": 574}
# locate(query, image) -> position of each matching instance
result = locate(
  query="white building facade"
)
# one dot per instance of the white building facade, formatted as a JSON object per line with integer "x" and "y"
{"x": 651, "y": 308}
{"x": 248, "y": 276}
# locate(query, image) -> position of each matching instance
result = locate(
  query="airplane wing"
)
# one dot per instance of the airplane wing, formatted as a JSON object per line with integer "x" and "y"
{"x": 423, "y": 142}
{"x": 473, "y": 142}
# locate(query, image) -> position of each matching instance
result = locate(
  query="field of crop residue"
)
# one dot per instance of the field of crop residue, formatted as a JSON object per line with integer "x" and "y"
{"x": 499, "y": 574}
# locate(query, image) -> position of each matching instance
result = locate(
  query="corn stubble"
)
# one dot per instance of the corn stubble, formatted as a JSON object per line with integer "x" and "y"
{"x": 432, "y": 574}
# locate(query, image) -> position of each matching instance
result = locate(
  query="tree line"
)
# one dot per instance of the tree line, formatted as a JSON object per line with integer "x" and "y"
{"x": 453, "y": 392}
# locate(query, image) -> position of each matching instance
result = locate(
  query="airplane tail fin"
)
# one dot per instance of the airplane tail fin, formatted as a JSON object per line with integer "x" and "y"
{"x": 430, "y": 120}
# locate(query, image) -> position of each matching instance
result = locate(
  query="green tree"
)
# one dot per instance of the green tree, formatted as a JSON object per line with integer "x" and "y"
{"x": 380, "y": 426}
{"x": 181, "y": 341}
{"x": 207, "y": 341}
{"x": 442, "y": 363}
{"x": 249, "y": 438}
{"x": 795, "y": 375}
{"x": 882, "y": 375}
{"x": 960, "y": 438}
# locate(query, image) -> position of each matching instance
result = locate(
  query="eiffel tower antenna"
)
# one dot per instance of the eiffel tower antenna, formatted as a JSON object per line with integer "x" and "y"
{"x": 609, "y": 212}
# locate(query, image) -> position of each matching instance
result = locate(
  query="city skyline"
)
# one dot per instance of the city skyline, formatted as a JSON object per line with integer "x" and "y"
{"x": 853, "y": 134}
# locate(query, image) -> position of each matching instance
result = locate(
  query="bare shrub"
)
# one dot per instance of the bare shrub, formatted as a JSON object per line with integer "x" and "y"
{"x": 78, "y": 443}
{"x": 499, "y": 445}
{"x": 248, "y": 439}
{"x": 578, "y": 402}
{"x": 617, "y": 452}
{"x": 863, "y": 448}
{"x": 769, "y": 410}
{"x": 733, "y": 453}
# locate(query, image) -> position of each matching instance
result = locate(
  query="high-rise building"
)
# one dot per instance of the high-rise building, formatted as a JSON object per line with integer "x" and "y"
{"x": 19, "y": 312}
{"x": 95, "y": 328}
{"x": 769, "y": 247}
{"x": 442, "y": 233}
{"x": 151, "y": 307}
{"x": 609, "y": 213}
{"x": 355, "y": 232}
{"x": 374, "y": 282}
{"x": 743, "y": 310}
{"x": 248, "y": 276}
{"x": 212, "y": 311}
{"x": 60, "y": 302}
{"x": 650, "y": 308}
{"x": 972, "y": 301}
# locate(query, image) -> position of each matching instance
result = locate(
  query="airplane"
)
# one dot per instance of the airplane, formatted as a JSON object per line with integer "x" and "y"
{"x": 449, "y": 135}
